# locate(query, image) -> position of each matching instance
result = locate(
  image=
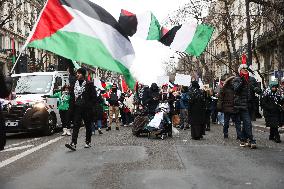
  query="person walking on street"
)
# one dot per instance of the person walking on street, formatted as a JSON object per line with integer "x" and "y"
{"x": 5, "y": 90}
{"x": 64, "y": 100}
{"x": 113, "y": 100}
{"x": 244, "y": 86}
{"x": 272, "y": 106}
{"x": 85, "y": 98}
{"x": 226, "y": 105}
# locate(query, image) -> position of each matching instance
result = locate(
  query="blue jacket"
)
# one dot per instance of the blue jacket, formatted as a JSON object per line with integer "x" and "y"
{"x": 184, "y": 101}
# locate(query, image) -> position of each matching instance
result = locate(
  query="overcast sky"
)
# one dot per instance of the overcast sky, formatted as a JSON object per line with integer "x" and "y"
{"x": 150, "y": 55}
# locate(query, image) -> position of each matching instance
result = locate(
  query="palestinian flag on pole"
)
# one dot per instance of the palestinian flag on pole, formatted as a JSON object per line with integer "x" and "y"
{"x": 189, "y": 38}
{"x": 81, "y": 30}
{"x": 145, "y": 25}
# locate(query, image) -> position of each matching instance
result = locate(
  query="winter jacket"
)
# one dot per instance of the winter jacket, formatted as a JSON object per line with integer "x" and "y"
{"x": 197, "y": 107}
{"x": 5, "y": 89}
{"x": 226, "y": 97}
{"x": 244, "y": 92}
{"x": 271, "y": 103}
{"x": 151, "y": 98}
{"x": 63, "y": 100}
{"x": 88, "y": 98}
{"x": 98, "y": 108}
{"x": 184, "y": 100}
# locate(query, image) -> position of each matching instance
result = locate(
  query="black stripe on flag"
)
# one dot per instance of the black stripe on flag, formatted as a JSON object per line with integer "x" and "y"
{"x": 168, "y": 38}
{"x": 94, "y": 11}
{"x": 128, "y": 23}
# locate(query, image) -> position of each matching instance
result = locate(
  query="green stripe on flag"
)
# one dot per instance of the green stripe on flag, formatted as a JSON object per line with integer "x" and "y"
{"x": 154, "y": 32}
{"x": 200, "y": 40}
{"x": 84, "y": 49}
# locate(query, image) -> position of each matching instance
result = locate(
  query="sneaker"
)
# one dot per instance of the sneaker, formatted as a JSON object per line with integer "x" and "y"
{"x": 117, "y": 128}
{"x": 64, "y": 132}
{"x": 108, "y": 128}
{"x": 93, "y": 133}
{"x": 248, "y": 144}
{"x": 207, "y": 129}
{"x": 242, "y": 144}
{"x": 100, "y": 132}
{"x": 71, "y": 146}
{"x": 87, "y": 145}
{"x": 253, "y": 145}
{"x": 68, "y": 132}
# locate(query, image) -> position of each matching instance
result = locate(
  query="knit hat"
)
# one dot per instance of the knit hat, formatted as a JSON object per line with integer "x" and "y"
{"x": 82, "y": 71}
{"x": 273, "y": 84}
{"x": 242, "y": 66}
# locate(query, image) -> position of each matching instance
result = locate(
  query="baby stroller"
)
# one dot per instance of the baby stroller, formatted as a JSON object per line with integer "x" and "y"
{"x": 160, "y": 124}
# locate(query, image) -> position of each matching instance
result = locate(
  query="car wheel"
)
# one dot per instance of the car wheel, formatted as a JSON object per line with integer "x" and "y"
{"x": 50, "y": 125}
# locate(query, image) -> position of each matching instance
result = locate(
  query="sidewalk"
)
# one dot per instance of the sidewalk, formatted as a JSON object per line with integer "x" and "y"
{"x": 260, "y": 124}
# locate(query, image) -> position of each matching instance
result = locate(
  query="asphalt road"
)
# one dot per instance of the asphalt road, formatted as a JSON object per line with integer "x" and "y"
{"x": 120, "y": 160}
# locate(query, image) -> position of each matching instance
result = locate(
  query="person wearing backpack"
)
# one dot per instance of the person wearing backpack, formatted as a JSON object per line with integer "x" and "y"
{"x": 113, "y": 101}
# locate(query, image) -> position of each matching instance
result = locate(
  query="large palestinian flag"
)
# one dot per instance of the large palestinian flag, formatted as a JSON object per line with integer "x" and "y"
{"x": 144, "y": 25}
{"x": 83, "y": 31}
{"x": 189, "y": 38}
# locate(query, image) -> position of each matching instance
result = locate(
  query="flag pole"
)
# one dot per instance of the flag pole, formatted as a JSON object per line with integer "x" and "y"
{"x": 17, "y": 59}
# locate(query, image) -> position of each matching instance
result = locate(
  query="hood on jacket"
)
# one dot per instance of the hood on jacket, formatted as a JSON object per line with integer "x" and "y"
{"x": 229, "y": 79}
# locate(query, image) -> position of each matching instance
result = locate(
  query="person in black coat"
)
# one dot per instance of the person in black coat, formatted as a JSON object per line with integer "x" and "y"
{"x": 244, "y": 87}
{"x": 85, "y": 98}
{"x": 197, "y": 111}
{"x": 98, "y": 112}
{"x": 272, "y": 106}
{"x": 5, "y": 90}
{"x": 151, "y": 98}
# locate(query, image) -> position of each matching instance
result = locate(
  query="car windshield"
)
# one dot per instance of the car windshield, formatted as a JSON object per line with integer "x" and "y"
{"x": 32, "y": 84}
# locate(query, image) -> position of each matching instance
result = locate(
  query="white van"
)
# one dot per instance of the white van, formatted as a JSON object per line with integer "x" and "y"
{"x": 30, "y": 110}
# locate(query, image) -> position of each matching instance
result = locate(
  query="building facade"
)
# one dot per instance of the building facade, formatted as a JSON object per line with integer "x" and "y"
{"x": 267, "y": 36}
{"x": 17, "y": 20}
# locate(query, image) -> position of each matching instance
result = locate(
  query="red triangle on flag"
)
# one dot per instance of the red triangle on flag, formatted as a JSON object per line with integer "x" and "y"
{"x": 53, "y": 18}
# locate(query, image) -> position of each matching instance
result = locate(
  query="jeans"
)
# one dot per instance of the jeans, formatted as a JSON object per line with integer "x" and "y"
{"x": 227, "y": 117}
{"x": 99, "y": 125}
{"x": 246, "y": 133}
{"x": 220, "y": 117}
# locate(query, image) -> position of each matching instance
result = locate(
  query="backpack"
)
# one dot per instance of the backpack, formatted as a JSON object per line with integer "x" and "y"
{"x": 113, "y": 99}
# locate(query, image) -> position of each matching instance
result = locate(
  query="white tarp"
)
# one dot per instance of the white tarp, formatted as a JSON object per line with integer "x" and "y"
{"x": 182, "y": 79}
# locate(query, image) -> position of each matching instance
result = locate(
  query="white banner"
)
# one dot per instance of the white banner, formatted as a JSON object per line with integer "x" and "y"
{"x": 182, "y": 79}
{"x": 161, "y": 80}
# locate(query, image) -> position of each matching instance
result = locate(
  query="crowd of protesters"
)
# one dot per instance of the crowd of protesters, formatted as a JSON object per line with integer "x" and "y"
{"x": 235, "y": 102}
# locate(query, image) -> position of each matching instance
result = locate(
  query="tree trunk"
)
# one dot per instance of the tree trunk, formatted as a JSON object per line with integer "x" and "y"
{"x": 249, "y": 53}
{"x": 232, "y": 35}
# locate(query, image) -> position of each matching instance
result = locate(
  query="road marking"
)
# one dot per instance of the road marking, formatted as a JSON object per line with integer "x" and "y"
{"x": 17, "y": 148}
{"x": 20, "y": 143}
{"x": 25, "y": 153}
